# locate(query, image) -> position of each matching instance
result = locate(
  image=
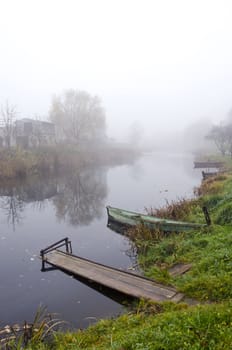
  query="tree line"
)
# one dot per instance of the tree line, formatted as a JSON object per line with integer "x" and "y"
{"x": 77, "y": 115}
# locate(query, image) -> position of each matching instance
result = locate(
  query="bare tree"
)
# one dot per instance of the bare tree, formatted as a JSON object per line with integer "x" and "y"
{"x": 228, "y": 135}
{"x": 218, "y": 134}
{"x": 8, "y": 115}
{"x": 78, "y": 116}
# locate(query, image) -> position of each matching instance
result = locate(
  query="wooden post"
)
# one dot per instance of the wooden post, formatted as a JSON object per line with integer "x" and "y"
{"x": 43, "y": 261}
{"x": 207, "y": 217}
{"x": 70, "y": 247}
{"x": 66, "y": 245}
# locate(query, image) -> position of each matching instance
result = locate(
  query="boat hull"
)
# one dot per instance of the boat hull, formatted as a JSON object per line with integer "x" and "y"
{"x": 206, "y": 175}
{"x": 208, "y": 165}
{"x": 128, "y": 219}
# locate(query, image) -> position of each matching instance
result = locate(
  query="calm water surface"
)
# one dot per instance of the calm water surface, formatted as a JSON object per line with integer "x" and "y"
{"x": 36, "y": 214}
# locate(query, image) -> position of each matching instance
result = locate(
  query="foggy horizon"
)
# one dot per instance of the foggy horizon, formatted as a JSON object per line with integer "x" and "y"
{"x": 163, "y": 65}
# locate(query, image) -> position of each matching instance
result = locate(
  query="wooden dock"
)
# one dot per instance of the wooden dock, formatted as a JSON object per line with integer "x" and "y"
{"x": 121, "y": 281}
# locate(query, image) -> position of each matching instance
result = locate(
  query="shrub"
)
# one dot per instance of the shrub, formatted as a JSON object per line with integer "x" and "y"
{"x": 176, "y": 210}
{"x": 212, "y": 201}
{"x": 224, "y": 215}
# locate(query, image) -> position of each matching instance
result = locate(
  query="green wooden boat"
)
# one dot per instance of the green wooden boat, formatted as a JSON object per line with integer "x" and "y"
{"x": 208, "y": 164}
{"x": 129, "y": 218}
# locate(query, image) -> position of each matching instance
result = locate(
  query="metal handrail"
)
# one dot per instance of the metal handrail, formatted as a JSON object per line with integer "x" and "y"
{"x": 62, "y": 242}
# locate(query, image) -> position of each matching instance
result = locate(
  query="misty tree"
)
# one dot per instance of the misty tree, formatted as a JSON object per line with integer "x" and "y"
{"x": 219, "y": 135}
{"x": 8, "y": 116}
{"x": 78, "y": 116}
{"x": 222, "y": 135}
{"x": 193, "y": 137}
{"x": 228, "y": 134}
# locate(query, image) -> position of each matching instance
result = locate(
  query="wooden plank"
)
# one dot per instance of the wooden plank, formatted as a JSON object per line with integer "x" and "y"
{"x": 179, "y": 269}
{"x": 121, "y": 281}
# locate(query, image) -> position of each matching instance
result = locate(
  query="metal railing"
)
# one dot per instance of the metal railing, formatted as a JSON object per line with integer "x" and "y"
{"x": 61, "y": 243}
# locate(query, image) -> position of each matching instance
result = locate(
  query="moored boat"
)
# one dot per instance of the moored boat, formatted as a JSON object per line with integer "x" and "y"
{"x": 207, "y": 174}
{"x": 129, "y": 218}
{"x": 208, "y": 164}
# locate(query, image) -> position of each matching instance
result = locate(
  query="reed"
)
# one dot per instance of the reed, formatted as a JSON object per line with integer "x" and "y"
{"x": 20, "y": 163}
{"x": 42, "y": 328}
{"x": 175, "y": 210}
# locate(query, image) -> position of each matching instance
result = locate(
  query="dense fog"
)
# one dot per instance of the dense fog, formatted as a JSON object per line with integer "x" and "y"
{"x": 158, "y": 67}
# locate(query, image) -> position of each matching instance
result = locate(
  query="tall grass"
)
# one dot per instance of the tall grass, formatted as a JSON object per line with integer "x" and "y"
{"x": 42, "y": 327}
{"x": 212, "y": 185}
{"x": 176, "y": 210}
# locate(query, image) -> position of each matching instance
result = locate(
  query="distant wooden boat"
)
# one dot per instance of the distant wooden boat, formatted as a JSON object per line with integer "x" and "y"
{"x": 207, "y": 174}
{"x": 205, "y": 164}
{"x": 129, "y": 218}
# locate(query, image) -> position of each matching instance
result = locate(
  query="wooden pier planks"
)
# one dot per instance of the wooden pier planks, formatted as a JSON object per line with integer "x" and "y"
{"x": 124, "y": 282}
{"x": 179, "y": 269}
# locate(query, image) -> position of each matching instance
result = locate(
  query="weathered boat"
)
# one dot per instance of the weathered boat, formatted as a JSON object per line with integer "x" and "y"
{"x": 129, "y": 218}
{"x": 207, "y": 174}
{"x": 208, "y": 164}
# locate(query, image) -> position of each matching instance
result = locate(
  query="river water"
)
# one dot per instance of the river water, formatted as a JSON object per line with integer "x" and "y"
{"x": 40, "y": 212}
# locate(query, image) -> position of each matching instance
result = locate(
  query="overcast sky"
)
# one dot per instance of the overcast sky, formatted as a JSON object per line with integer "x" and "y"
{"x": 164, "y": 63}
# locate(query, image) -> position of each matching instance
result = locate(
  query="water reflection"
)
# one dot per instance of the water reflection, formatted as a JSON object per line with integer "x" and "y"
{"x": 78, "y": 198}
{"x": 81, "y": 196}
{"x": 131, "y": 252}
{"x": 12, "y": 207}
{"x": 117, "y": 227}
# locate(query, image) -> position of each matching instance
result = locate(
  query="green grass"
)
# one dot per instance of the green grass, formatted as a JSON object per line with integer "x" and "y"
{"x": 210, "y": 254}
{"x": 199, "y": 327}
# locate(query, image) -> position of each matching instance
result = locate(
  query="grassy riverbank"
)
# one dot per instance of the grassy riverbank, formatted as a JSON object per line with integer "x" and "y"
{"x": 205, "y": 320}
